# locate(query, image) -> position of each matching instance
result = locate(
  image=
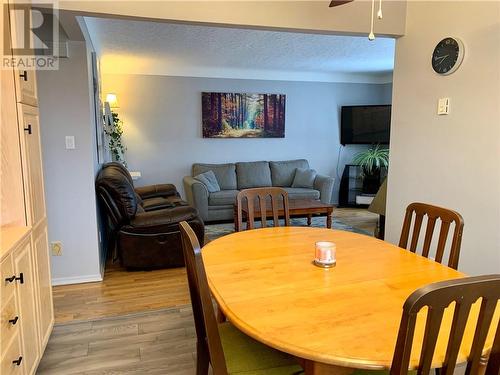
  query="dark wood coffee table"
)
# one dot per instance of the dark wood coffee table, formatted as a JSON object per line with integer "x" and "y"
{"x": 297, "y": 208}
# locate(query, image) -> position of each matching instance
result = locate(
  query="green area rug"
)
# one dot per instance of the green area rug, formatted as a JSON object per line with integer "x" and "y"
{"x": 213, "y": 231}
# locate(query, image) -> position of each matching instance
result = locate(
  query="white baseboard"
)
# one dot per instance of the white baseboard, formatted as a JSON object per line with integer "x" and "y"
{"x": 76, "y": 279}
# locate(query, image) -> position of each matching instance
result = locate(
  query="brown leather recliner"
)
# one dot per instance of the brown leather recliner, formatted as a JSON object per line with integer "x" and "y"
{"x": 144, "y": 222}
{"x": 151, "y": 197}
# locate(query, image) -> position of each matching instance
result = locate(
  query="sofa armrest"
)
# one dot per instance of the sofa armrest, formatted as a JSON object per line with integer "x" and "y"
{"x": 196, "y": 195}
{"x": 158, "y": 221}
{"x": 325, "y": 186}
{"x": 160, "y": 190}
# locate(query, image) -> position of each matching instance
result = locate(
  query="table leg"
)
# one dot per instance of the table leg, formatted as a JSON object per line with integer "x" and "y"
{"x": 329, "y": 219}
{"x": 309, "y": 220}
{"x": 316, "y": 368}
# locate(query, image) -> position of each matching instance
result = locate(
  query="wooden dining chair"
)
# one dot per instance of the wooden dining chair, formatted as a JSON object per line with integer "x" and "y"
{"x": 227, "y": 349}
{"x": 277, "y": 197}
{"x": 433, "y": 213}
{"x": 437, "y": 297}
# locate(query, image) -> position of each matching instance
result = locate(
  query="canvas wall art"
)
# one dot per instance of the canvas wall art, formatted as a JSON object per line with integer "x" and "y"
{"x": 232, "y": 115}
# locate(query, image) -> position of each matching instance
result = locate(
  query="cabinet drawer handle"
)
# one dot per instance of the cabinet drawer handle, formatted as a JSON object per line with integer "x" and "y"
{"x": 24, "y": 75}
{"x": 14, "y": 321}
{"x": 28, "y": 129}
{"x": 18, "y": 361}
{"x": 10, "y": 279}
{"x": 20, "y": 278}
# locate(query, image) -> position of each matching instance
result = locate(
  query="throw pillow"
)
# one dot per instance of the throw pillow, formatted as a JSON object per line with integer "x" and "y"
{"x": 304, "y": 178}
{"x": 209, "y": 180}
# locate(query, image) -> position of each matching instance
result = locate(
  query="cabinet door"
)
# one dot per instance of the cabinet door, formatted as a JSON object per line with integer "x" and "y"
{"x": 11, "y": 354}
{"x": 42, "y": 265}
{"x": 32, "y": 163}
{"x": 27, "y": 307}
{"x": 26, "y": 84}
{"x": 11, "y": 197}
{"x": 25, "y": 79}
{"x": 7, "y": 287}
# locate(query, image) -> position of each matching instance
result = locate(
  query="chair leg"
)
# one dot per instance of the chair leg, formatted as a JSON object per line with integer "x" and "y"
{"x": 309, "y": 220}
{"x": 202, "y": 359}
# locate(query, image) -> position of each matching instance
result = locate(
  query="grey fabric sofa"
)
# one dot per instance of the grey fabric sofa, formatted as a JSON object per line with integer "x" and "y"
{"x": 234, "y": 177}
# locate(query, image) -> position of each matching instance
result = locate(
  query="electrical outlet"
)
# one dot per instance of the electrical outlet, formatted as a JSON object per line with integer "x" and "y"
{"x": 56, "y": 248}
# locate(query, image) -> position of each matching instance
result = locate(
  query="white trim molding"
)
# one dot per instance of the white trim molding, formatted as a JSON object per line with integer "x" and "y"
{"x": 76, "y": 279}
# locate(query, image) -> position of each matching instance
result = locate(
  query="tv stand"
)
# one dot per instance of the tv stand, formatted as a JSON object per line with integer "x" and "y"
{"x": 351, "y": 192}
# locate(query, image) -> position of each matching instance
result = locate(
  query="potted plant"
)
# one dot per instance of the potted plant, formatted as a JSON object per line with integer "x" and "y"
{"x": 371, "y": 161}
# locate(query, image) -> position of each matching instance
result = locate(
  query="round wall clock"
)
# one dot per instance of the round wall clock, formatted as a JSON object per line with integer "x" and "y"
{"x": 447, "y": 55}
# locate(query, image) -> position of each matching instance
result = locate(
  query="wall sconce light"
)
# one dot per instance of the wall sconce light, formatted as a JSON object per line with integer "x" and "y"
{"x": 112, "y": 100}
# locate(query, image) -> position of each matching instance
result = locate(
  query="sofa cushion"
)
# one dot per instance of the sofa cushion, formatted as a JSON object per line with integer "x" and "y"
{"x": 223, "y": 197}
{"x": 225, "y": 173}
{"x": 158, "y": 203}
{"x": 253, "y": 174}
{"x": 302, "y": 193}
{"x": 208, "y": 179}
{"x": 283, "y": 172}
{"x": 304, "y": 178}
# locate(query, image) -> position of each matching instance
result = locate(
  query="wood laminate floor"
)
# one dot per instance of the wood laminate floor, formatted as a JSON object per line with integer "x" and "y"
{"x": 357, "y": 218}
{"x": 158, "y": 342}
{"x": 123, "y": 292}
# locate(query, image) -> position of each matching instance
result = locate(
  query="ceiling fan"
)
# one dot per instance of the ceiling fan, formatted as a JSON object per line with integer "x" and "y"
{"x": 335, "y": 3}
{"x": 371, "y": 36}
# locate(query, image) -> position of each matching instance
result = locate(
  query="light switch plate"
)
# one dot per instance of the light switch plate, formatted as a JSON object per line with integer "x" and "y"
{"x": 70, "y": 142}
{"x": 443, "y": 106}
{"x": 135, "y": 175}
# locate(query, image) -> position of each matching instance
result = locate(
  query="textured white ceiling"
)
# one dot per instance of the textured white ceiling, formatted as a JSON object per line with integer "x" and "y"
{"x": 140, "y": 47}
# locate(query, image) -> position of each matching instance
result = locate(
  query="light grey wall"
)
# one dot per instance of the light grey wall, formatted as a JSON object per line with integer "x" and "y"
{"x": 162, "y": 123}
{"x": 66, "y": 109}
{"x": 452, "y": 160}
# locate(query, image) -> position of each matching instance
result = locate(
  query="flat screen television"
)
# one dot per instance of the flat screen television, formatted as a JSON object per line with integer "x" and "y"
{"x": 365, "y": 124}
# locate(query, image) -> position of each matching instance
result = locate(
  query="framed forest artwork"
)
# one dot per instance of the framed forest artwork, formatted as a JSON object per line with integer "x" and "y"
{"x": 231, "y": 115}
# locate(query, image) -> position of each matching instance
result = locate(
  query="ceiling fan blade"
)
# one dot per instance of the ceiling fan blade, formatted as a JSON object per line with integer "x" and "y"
{"x": 335, "y": 3}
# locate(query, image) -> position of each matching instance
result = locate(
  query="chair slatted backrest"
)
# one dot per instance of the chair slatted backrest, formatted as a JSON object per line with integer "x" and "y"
{"x": 437, "y": 297}
{"x": 207, "y": 332}
{"x": 277, "y": 197}
{"x": 433, "y": 213}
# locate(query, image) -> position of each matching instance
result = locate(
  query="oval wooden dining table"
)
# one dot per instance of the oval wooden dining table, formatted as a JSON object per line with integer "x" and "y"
{"x": 334, "y": 320}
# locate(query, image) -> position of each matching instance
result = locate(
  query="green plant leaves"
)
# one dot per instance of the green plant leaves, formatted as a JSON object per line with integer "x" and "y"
{"x": 114, "y": 133}
{"x": 372, "y": 159}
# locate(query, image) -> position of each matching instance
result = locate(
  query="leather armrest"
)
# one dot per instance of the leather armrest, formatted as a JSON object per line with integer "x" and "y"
{"x": 160, "y": 190}
{"x": 157, "y": 221}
